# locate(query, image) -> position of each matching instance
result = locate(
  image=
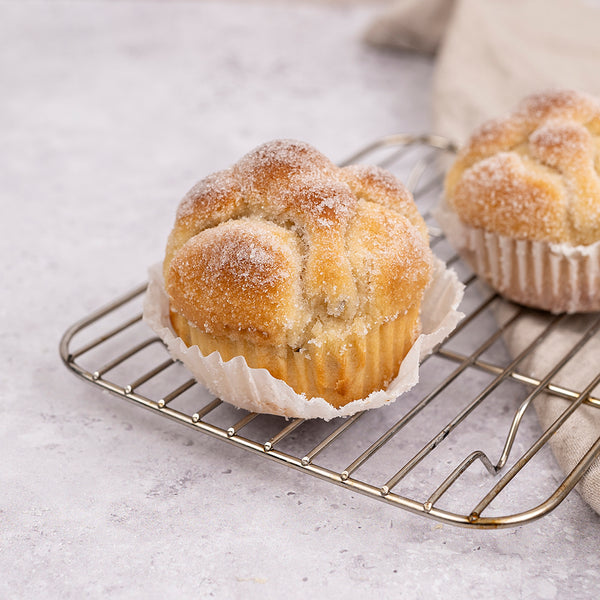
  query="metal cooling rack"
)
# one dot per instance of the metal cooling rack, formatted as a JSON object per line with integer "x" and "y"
{"x": 464, "y": 441}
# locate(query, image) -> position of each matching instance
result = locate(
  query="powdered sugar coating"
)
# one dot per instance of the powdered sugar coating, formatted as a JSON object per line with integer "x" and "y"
{"x": 495, "y": 191}
{"x": 377, "y": 185}
{"x": 241, "y": 252}
{"x": 285, "y": 244}
{"x": 570, "y": 105}
{"x": 532, "y": 174}
{"x": 561, "y": 144}
{"x": 248, "y": 272}
{"x": 207, "y": 196}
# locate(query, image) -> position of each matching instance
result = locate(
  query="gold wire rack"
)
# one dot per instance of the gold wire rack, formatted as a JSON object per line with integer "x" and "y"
{"x": 428, "y": 452}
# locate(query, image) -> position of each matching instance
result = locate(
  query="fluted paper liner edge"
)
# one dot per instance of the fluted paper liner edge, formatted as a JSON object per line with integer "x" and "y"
{"x": 551, "y": 276}
{"x": 256, "y": 390}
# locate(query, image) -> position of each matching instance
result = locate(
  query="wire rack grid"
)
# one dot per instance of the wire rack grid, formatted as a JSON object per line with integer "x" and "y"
{"x": 430, "y": 452}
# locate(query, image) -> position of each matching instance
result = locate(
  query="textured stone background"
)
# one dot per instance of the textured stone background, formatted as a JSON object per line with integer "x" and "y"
{"x": 109, "y": 112}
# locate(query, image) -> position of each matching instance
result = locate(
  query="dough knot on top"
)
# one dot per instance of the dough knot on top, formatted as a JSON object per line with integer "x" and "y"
{"x": 285, "y": 245}
{"x": 535, "y": 173}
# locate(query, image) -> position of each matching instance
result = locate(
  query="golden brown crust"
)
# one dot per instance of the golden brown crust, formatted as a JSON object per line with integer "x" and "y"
{"x": 287, "y": 250}
{"x": 533, "y": 175}
{"x": 365, "y": 362}
{"x": 256, "y": 262}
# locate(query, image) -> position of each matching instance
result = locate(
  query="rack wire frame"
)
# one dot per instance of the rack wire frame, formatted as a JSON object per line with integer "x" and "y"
{"x": 424, "y": 178}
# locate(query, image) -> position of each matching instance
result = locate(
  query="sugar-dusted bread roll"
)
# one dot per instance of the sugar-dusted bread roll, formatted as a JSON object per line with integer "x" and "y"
{"x": 313, "y": 272}
{"x": 526, "y": 190}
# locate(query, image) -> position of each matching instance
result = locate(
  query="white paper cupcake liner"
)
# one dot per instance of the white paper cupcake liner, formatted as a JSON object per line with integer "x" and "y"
{"x": 257, "y": 390}
{"x": 554, "y": 277}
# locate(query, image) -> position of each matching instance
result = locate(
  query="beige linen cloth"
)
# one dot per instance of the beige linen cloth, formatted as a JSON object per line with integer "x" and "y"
{"x": 491, "y": 53}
